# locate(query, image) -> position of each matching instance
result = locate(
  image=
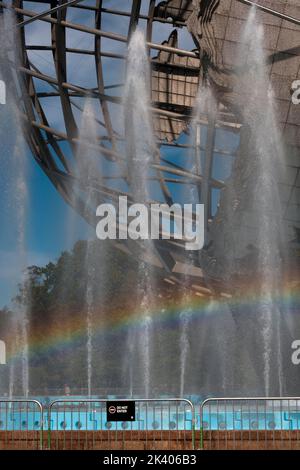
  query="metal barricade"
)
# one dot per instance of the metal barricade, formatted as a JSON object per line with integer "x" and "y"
{"x": 167, "y": 424}
{"x": 250, "y": 423}
{"x": 21, "y": 424}
{"x": 159, "y": 424}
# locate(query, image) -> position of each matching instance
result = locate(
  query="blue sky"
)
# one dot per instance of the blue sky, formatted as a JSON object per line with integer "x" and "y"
{"x": 46, "y": 234}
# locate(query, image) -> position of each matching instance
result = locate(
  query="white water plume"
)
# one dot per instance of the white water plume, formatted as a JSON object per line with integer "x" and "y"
{"x": 266, "y": 157}
{"x": 16, "y": 164}
{"x": 88, "y": 157}
{"x": 140, "y": 145}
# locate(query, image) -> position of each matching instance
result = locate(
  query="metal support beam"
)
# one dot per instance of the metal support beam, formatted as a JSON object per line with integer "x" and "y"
{"x": 209, "y": 152}
{"x": 182, "y": 23}
{"x": 134, "y": 16}
{"x": 105, "y": 34}
{"x": 111, "y": 153}
{"x": 271, "y": 12}
{"x": 47, "y": 12}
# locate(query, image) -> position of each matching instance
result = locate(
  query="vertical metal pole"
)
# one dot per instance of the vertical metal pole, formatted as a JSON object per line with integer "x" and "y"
{"x": 257, "y": 419}
{"x": 210, "y": 430}
{"x": 134, "y": 17}
{"x": 274, "y": 414}
{"x": 290, "y": 424}
{"x": 42, "y": 429}
{"x": 233, "y": 426}
{"x": 209, "y": 152}
{"x": 297, "y": 432}
{"x": 198, "y": 162}
{"x": 49, "y": 426}
{"x": 281, "y": 421}
{"x": 193, "y": 427}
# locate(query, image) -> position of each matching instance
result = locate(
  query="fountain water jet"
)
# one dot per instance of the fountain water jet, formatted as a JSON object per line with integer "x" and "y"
{"x": 17, "y": 193}
{"x": 184, "y": 347}
{"x": 205, "y": 105}
{"x": 246, "y": 237}
{"x": 140, "y": 145}
{"x": 88, "y": 132}
{"x": 269, "y": 157}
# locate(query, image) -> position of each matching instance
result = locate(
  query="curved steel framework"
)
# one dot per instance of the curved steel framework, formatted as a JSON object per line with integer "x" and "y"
{"x": 84, "y": 41}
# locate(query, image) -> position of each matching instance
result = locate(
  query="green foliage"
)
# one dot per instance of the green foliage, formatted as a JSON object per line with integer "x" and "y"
{"x": 94, "y": 275}
{"x": 56, "y": 298}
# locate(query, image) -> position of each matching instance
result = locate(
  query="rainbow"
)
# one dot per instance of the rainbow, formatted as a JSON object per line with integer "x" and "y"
{"x": 72, "y": 329}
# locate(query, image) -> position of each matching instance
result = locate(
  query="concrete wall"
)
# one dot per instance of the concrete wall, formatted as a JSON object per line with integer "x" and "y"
{"x": 251, "y": 440}
{"x": 151, "y": 440}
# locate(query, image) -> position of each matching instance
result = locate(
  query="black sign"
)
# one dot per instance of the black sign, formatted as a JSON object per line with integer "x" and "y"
{"x": 120, "y": 410}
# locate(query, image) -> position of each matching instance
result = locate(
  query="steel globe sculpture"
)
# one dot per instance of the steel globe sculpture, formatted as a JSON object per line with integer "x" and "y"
{"x": 176, "y": 101}
{"x": 191, "y": 43}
